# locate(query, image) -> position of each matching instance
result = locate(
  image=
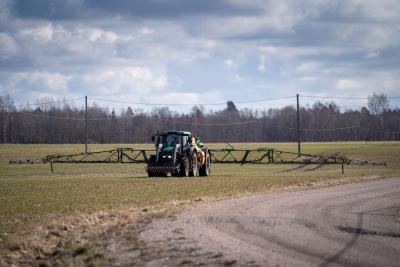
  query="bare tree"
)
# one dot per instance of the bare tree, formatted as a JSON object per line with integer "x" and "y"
{"x": 378, "y": 103}
{"x": 62, "y": 123}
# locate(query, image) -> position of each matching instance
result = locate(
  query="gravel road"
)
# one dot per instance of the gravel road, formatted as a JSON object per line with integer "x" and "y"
{"x": 348, "y": 225}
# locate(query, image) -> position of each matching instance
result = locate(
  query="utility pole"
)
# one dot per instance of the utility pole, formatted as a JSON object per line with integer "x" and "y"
{"x": 2, "y": 125}
{"x": 86, "y": 125}
{"x": 298, "y": 127}
{"x": 12, "y": 127}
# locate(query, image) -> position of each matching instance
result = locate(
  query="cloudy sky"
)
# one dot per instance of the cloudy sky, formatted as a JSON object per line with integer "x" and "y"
{"x": 207, "y": 51}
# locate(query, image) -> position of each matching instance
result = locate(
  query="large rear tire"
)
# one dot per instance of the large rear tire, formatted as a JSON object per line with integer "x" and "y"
{"x": 184, "y": 167}
{"x": 205, "y": 169}
{"x": 194, "y": 165}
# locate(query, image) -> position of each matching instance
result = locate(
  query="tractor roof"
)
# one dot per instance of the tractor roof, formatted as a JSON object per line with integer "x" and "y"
{"x": 177, "y": 132}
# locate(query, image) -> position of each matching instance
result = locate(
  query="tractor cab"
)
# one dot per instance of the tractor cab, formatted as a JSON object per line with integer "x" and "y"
{"x": 168, "y": 141}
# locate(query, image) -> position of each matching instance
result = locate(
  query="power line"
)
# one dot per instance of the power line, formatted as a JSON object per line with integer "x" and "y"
{"x": 219, "y": 124}
{"x": 344, "y": 97}
{"x": 264, "y": 100}
{"x": 191, "y": 104}
{"x": 377, "y": 130}
{"x": 311, "y": 129}
{"x": 333, "y": 97}
{"x": 48, "y": 116}
{"x": 110, "y": 118}
{"x": 47, "y": 103}
{"x": 328, "y": 129}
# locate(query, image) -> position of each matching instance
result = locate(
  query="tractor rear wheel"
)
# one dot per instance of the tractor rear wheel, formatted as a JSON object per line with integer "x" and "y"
{"x": 205, "y": 169}
{"x": 184, "y": 167}
{"x": 194, "y": 165}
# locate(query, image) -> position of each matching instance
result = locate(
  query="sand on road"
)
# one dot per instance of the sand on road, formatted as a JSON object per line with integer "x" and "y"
{"x": 347, "y": 225}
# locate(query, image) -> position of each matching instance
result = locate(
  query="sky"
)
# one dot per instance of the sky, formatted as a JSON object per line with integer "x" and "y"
{"x": 199, "y": 52}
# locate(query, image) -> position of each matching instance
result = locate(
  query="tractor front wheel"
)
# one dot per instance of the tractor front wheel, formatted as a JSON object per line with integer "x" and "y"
{"x": 150, "y": 163}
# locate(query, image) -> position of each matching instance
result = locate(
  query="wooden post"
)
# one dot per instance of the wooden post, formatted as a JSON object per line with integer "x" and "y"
{"x": 298, "y": 126}
{"x": 12, "y": 127}
{"x": 86, "y": 126}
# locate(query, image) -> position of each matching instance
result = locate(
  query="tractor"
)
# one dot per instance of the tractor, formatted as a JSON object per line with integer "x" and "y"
{"x": 179, "y": 153}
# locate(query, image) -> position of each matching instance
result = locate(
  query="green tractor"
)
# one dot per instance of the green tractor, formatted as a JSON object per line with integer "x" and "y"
{"x": 180, "y": 154}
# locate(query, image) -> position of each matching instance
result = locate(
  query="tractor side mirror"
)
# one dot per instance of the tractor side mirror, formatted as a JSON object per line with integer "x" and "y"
{"x": 153, "y": 138}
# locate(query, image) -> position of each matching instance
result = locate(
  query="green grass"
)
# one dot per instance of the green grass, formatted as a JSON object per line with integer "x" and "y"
{"x": 31, "y": 192}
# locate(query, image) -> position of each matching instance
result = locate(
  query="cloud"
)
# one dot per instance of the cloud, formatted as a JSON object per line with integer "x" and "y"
{"x": 8, "y": 46}
{"x": 170, "y": 9}
{"x": 52, "y": 45}
{"x": 30, "y": 86}
{"x": 308, "y": 68}
{"x": 261, "y": 66}
{"x": 40, "y": 34}
{"x": 363, "y": 11}
{"x": 51, "y": 81}
{"x": 123, "y": 81}
{"x": 98, "y": 35}
{"x": 309, "y": 78}
{"x": 147, "y": 30}
{"x": 73, "y": 9}
{"x": 135, "y": 48}
{"x": 48, "y": 9}
{"x": 373, "y": 82}
{"x": 372, "y": 54}
{"x": 237, "y": 78}
{"x": 57, "y": 33}
{"x": 346, "y": 84}
{"x": 229, "y": 63}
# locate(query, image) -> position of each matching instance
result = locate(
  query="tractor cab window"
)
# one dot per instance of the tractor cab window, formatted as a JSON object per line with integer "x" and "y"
{"x": 185, "y": 140}
{"x": 170, "y": 140}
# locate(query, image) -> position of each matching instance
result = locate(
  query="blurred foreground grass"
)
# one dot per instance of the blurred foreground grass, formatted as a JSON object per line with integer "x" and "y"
{"x": 30, "y": 192}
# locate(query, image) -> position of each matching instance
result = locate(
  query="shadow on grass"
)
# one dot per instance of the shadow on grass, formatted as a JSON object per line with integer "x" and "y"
{"x": 302, "y": 166}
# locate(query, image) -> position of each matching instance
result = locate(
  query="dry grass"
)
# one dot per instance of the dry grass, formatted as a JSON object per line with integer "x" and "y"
{"x": 88, "y": 195}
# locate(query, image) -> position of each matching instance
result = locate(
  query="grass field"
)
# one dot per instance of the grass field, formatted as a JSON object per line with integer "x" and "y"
{"x": 86, "y": 214}
{"x": 31, "y": 192}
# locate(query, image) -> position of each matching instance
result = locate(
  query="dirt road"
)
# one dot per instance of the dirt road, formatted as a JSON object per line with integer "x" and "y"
{"x": 348, "y": 225}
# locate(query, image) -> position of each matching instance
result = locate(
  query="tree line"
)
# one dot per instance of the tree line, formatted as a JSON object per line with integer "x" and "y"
{"x": 62, "y": 122}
